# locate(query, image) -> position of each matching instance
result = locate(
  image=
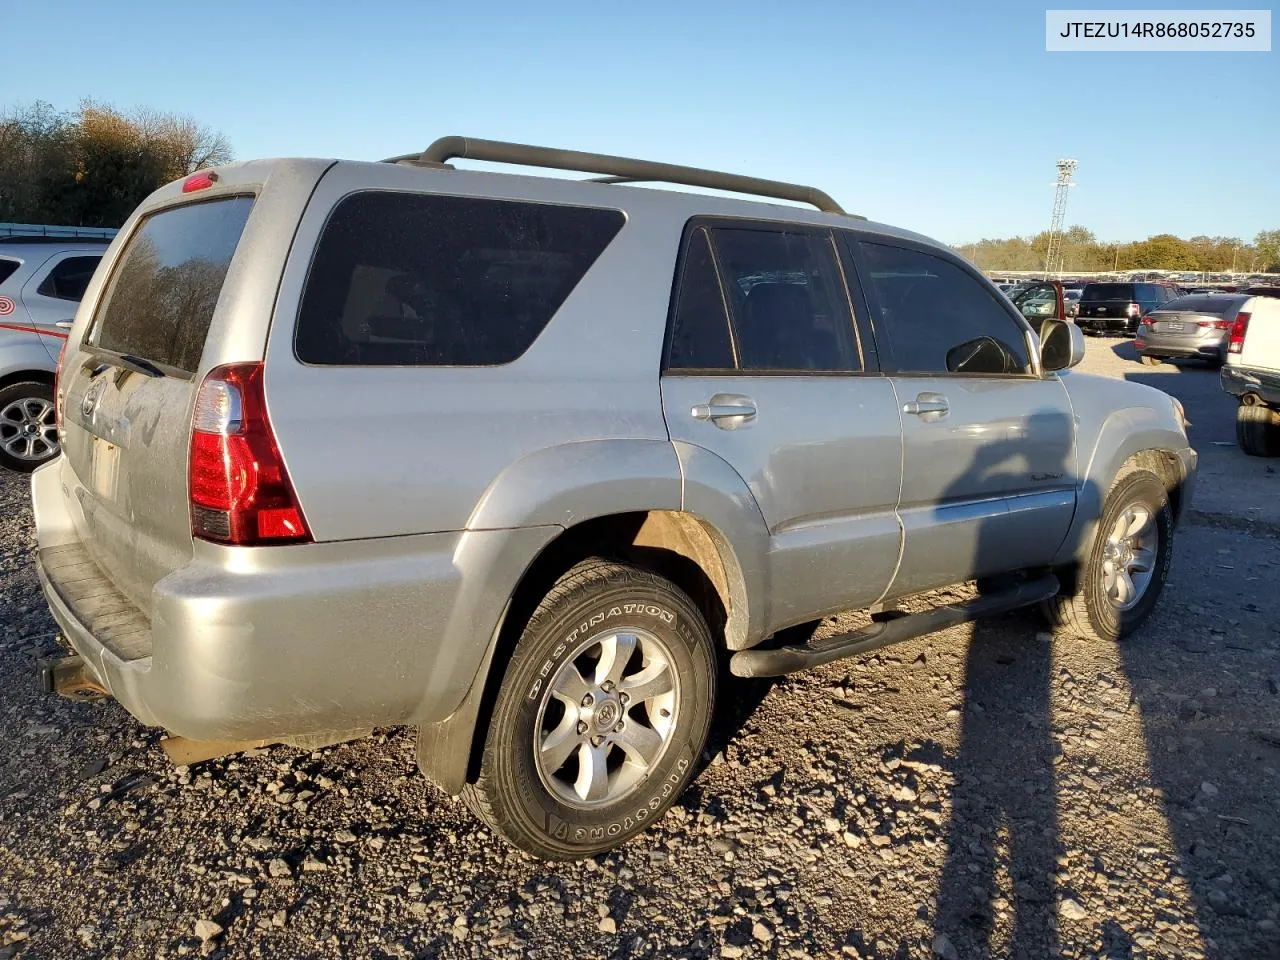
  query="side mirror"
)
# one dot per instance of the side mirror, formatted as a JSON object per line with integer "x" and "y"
{"x": 1061, "y": 345}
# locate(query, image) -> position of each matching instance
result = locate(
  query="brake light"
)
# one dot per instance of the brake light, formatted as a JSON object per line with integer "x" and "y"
{"x": 1215, "y": 324}
{"x": 1133, "y": 310}
{"x": 199, "y": 181}
{"x": 240, "y": 490}
{"x": 1235, "y": 342}
{"x": 57, "y": 389}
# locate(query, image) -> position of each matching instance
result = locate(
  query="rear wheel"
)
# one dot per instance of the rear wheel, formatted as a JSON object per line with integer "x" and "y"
{"x": 602, "y": 714}
{"x": 28, "y": 434}
{"x": 1119, "y": 583}
{"x": 1257, "y": 429}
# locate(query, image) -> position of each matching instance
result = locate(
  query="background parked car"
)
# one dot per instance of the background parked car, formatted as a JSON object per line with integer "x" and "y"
{"x": 1039, "y": 302}
{"x": 1196, "y": 326}
{"x": 41, "y": 282}
{"x": 1117, "y": 307}
{"x": 1071, "y": 300}
{"x": 1252, "y": 373}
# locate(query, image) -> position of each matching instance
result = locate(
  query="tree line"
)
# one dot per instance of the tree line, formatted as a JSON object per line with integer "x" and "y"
{"x": 1083, "y": 253}
{"x": 92, "y": 166}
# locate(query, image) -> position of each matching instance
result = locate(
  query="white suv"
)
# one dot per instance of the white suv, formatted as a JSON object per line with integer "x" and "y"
{"x": 1252, "y": 372}
{"x": 41, "y": 282}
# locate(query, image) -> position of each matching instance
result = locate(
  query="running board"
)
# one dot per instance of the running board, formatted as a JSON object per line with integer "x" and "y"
{"x": 783, "y": 660}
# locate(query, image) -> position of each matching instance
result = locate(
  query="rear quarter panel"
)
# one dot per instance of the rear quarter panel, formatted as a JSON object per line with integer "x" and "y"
{"x": 385, "y": 451}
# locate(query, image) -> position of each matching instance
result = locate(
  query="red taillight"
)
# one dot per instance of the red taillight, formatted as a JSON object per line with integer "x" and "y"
{"x": 199, "y": 181}
{"x": 1215, "y": 324}
{"x": 240, "y": 490}
{"x": 1133, "y": 310}
{"x": 57, "y": 389}
{"x": 1238, "y": 329}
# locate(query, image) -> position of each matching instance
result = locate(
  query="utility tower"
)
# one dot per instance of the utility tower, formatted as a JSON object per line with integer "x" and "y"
{"x": 1053, "y": 258}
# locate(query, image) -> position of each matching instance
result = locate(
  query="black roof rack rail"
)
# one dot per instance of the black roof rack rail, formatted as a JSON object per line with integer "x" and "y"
{"x": 44, "y": 238}
{"x": 613, "y": 169}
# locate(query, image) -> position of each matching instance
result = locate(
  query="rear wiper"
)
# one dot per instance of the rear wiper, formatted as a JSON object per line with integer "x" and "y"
{"x": 137, "y": 365}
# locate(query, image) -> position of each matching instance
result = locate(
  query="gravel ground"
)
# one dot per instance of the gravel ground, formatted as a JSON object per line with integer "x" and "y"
{"x": 987, "y": 791}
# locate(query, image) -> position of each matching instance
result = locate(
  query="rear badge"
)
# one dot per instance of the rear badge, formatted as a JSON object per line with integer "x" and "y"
{"x": 89, "y": 402}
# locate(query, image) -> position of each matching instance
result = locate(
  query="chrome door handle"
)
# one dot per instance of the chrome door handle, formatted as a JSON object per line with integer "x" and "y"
{"x": 927, "y": 403}
{"x": 725, "y": 410}
{"x": 64, "y": 324}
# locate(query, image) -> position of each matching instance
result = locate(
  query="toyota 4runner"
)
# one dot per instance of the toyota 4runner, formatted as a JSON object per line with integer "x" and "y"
{"x": 521, "y": 462}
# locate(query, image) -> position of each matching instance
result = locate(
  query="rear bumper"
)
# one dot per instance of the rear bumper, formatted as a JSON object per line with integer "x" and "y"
{"x": 1108, "y": 324}
{"x": 1188, "y": 460}
{"x": 1158, "y": 345}
{"x": 1239, "y": 381}
{"x": 286, "y": 641}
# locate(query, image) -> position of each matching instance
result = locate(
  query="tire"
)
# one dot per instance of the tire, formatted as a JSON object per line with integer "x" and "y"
{"x": 1150, "y": 361}
{"x": 1258, "y": 430}
{"x": 1086, "y": 608}
{"x": 28, "y": 435}
{"x": 543, "y": 804}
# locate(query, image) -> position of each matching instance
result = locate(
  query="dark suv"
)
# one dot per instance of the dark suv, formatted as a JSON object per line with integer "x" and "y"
{"x": 1117, "y": 307}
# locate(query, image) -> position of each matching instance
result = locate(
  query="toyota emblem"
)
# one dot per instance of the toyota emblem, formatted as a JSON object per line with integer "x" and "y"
{"x": 89, "y": 402}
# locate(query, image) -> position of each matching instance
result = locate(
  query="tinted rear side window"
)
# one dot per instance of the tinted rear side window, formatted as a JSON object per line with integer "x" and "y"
{"x": 1107, "y": 291}
{"x": 161, "y": 296}
{"x": 412, "y": 279}
{"x": 68, "y": 279}
{"x": 7, "y": 267}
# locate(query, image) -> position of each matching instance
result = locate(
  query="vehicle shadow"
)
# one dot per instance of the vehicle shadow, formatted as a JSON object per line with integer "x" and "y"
{"x": 1003, "y": 836}
{"x": 1003, "y": 889}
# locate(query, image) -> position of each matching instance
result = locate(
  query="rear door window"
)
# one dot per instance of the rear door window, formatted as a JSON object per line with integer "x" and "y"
{"x": 416, "y": 279}
{"x": 162, "y": 293}
{"x": 787, "y": 300}
{"x": 68, "y": 278}
{"x": 700, "y": 338}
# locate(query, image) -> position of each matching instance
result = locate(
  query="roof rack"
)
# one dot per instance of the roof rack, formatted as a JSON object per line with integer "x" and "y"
{"x": 38, "y": 238}
{"x": 613, "y": 169}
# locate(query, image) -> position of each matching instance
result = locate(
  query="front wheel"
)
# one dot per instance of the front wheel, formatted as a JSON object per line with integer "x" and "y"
{"x": 602, "y": 715}
{"x": 28, "y": 433}
{"x": 1118, "y": 585}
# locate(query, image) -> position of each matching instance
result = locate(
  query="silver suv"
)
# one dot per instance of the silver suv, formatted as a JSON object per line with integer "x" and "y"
{"x": 41, "y": 282}
{"x": 522, "y": 462}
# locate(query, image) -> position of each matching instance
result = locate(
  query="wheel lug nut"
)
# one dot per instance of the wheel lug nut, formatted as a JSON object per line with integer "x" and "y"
{"x": 582, "y": 728}
{"x": 607, "y": 686}
{"x": 618, "y": 728}
{"x": 588, "y": 700}
{"x": 623, "y": 698}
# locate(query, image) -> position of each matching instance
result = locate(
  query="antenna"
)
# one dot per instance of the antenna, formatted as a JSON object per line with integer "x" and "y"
{"x": 1053, "y": 257}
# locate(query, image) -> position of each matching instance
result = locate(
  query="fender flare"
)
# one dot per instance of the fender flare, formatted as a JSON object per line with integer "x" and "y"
{"x": 694, "y": 486}
{"x": 1124, "y": 434}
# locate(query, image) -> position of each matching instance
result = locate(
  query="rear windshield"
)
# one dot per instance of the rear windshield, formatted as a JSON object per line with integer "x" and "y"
{"x": 412, "y": 279}
{"x": 1107, "y": 291}
{"x": 7, "y": 267}
{"x": 1218, "y": 306}
{"x": 161, "y": 296}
